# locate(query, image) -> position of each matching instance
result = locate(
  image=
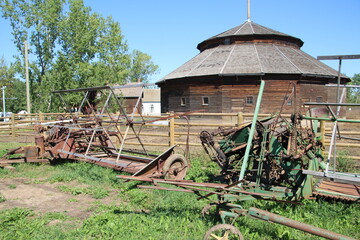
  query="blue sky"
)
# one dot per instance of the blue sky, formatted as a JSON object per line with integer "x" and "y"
{"x": 169, "y": 30}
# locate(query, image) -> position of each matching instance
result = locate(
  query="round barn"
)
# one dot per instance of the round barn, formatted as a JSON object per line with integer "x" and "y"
{"x": 225, "y": 75}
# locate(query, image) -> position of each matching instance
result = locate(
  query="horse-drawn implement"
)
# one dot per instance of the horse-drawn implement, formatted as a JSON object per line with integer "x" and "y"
{"x": 97, "y": 131}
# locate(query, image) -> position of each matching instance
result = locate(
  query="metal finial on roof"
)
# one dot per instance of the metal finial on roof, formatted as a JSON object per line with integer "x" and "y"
{"x": 248, "y": 11}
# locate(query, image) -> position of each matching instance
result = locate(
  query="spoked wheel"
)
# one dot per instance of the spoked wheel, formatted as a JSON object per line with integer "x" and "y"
{"x": 223, "y": 232}
{"x": 175, "y": 167}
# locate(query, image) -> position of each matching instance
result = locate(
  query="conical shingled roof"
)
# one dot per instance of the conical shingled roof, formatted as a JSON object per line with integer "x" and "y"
{"x": 251, "y": 31}
{"x": 249, "y": 28}
{"x": 251, "y": 49}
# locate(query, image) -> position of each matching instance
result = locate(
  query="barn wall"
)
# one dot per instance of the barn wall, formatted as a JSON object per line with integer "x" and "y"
{"x": 129, "y": 105}
{"x": 171, "y": 94}
{"x": 313, "y": 93}
{"x": 232, "y": 98}
{"x": 211, "y": 92}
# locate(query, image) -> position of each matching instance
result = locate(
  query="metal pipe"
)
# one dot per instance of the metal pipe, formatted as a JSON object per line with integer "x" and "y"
{"x": 338, "y": 82}
{"x": 271, "y": 217}
{"x": 332, "y": 104}
{"x": 332, "y": 120}
{"x": 252, "y": 130}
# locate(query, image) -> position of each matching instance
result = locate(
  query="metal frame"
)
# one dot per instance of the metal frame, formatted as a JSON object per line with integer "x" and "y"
{"x": 89, "y": 137}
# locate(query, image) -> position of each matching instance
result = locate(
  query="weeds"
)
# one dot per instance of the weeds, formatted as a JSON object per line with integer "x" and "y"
{"x": 345, "y": 164}
{"x": 2, "y": 198}
{"x": 95, "y": 192}
{"x": 154, "y": 214}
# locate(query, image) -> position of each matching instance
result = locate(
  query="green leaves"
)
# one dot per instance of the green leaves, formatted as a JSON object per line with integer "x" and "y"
{"x": 353, "y": 93}
{"x": 141, "y": 66}
{"x": 71, "y": 47}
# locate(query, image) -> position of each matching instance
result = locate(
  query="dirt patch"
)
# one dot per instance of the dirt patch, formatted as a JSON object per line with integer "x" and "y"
{"x": 46, "y": 197}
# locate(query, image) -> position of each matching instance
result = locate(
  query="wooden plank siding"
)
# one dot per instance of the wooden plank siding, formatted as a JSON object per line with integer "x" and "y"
{"x": 227, "y": 98}
{"x": 212, "y": 92}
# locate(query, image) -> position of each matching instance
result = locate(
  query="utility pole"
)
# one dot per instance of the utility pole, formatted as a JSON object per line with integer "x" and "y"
{"x": 28, "y": 104}
{"x": 3, "y": 95}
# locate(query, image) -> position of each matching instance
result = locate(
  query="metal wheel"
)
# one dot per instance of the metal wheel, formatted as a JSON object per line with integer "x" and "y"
{"x": 175, "y": 167}
{"x": 223, "y": 232}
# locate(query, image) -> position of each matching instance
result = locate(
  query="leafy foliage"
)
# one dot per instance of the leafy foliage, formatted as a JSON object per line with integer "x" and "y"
{"x": 14, "y": 87}
{"x": 71, "y": 47}
{"x": 353, "y": 93}
{"x": 2, "y": 198}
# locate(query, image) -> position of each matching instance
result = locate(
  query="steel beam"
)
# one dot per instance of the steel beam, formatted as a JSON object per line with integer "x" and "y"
{"x": 252, "y": 131}
{"x": 271, "y": 217}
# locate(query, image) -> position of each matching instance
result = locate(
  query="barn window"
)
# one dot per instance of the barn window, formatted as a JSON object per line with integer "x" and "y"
{"x": 249, "y": 100}
{"x": 151, "y": 108}
{"x": 205, "y": 100}
{"x": 183, "y": 101}
{"x": 319, "y": 99}
{"x": 288, "y": 101}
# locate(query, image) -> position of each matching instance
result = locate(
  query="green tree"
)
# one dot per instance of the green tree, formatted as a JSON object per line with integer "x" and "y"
{"x": 37, "y": 21}
{"x": 15, "y": 89}
{"x": 141, "y": 66}
{"x": 353, "y": 93}
{"x": 71, "y": 47}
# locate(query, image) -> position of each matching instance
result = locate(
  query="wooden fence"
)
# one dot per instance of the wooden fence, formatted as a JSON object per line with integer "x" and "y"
{"x": 169, "y": 130}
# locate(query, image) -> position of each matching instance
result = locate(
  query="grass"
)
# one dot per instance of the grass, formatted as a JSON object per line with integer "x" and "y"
{"x": 345, "y": 164}
{"x": 2, "y": 198}
{"x": 95, "y": 192}
{"x": 154, "y": 214}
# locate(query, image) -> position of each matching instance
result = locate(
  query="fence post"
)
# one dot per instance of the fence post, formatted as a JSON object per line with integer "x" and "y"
{"x": 171, "y": 129}
{"x": 240, "y": 118}
{"x": 322, "y": 132}
{"x": 41, "y": 117}
{"x": 13, "y": 127}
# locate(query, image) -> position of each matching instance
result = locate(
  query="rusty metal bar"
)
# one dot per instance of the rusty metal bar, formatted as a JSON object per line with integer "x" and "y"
{"x": 82, "y": 103}
{"x": 115, "y": 164}
{"x": 271, "y": 217}
{"x": 66, "y": 106}
{"x": 90, "y": 142}
{"x": 164, "y": 188}
{"x": 106, "y": 103}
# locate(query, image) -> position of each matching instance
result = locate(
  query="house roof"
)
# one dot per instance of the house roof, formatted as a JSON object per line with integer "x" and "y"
{"x": 151, "y": 95}
{"x": 249, "y": 31}
{"x": 129, "y": 92}
{"x": 251, "y": 49}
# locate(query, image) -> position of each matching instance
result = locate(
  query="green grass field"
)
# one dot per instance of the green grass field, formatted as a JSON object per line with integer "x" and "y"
{"x": 132, "y": 213}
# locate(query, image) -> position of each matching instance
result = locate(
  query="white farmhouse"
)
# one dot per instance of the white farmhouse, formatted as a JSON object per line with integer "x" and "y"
{"x": 151, "y": 102}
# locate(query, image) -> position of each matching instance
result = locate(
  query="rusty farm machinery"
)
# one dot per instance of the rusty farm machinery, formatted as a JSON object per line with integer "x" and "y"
{"x": 274, "y": 158}
{"x": 270, "y": 159}
{"x": 96, "y": 131}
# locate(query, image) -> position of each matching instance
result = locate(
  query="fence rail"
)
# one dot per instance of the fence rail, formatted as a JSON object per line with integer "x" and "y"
{"x": 170, "y": 129}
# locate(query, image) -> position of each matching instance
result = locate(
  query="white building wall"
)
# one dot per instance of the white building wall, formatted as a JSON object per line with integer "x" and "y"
{"x": 151, "y": 108}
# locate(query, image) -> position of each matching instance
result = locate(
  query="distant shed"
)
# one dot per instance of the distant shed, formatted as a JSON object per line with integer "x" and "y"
{"x": 130, "y": 96}
{"x": 225, "y": 75}
{"x": 151, "y": 102}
